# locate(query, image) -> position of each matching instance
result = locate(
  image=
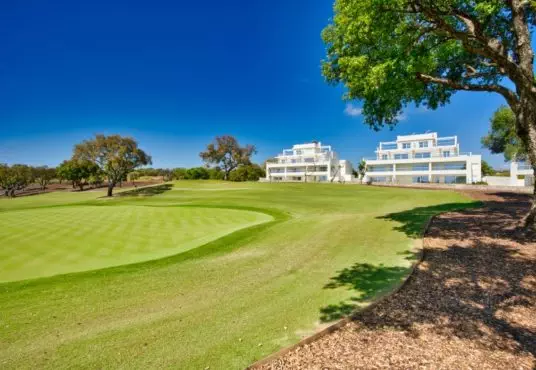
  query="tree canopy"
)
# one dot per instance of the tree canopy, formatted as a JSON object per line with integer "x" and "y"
{"x": 227, "y": 153}
{"x": 393, "y": 52}
{"x": 79, "y": 172}
{"x": 502, "y": 137}
{"x": 115, "y": 155}
{"x": 487, "y": 170}
{"x": 15, "y": 177}
{"x": 390, "y": 53}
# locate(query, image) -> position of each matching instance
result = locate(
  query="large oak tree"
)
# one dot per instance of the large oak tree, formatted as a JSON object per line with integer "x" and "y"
{"x": 390, "y": 53}
{"x": 227, "y": 153}
{"x": 115, "y": 155}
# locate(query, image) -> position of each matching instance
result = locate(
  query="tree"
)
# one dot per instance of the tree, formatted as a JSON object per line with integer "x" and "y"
{"x": 179, "y": 173}
{"x": 251, "y": 172}
{"x": 79, "y": 172}
{"x": 390, "y": 53}
{"x": 14, "y": 178}
{"x": 197, "y": 173}
{"x": 226, "y": 153}
{"x": 133, "y": 176}
{"x": 502, "y": 138}
{"x": 487, "y": 170}
{"x": 43, "y": 175}
{"x": 362, "y": 169}
{"x": 115, "y": 155}
{"x": 215, "y": 173}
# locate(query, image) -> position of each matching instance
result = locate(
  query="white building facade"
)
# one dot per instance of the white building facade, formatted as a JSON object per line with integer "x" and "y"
{"x": 310, "y": 162}
{"x": 423, "y": 158}
{"x": 521, "y": 173}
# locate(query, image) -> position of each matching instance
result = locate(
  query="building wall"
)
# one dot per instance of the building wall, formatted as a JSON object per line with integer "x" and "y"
{"x": 423, "y": 158}
{"x": 310, "y": 162}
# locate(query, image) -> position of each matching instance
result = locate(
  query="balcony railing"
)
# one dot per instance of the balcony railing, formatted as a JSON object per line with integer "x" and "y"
{"x": 306, "y": 159}
{"x": 416, "y": 156}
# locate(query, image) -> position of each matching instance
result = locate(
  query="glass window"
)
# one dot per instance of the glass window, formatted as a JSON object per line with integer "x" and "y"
{"x": 446, "y": 154}
{"x": 406, "y": 145}
{"x": 401, "y": 156}
{"x": 423, "y": 155}
{"x": 423, "y": 144}
{"x": 388, "y": 146}
{"x": 420, "y": 167}
{"x": 420, "y": 179}
{"x": 446, "y": 142}
{"x": 299, "y": 152}
{"x": 384, "y": 156}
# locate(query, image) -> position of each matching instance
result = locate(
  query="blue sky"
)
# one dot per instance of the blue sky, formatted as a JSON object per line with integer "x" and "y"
{"x": 174, "y": 74}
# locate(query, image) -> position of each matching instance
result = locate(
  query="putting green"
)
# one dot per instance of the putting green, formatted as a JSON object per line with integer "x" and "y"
{"x": 59, "y": 240}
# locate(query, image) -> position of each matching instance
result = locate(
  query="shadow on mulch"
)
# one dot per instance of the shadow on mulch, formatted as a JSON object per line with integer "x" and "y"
{"x": 477, "y": 281}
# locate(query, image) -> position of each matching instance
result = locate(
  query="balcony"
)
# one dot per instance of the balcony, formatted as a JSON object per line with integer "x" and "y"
{"x": 416, "y": 156}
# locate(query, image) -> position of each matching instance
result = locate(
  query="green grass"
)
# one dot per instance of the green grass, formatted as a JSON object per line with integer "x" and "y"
{"x": 71, "y": 239}
{"x": 305, "y": 254}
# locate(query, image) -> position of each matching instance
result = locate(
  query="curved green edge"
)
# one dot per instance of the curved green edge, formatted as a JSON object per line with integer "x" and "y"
{"x": 221, "y": 245}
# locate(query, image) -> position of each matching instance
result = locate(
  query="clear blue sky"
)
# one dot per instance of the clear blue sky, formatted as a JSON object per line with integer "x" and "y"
{"x": 174, "y": 74}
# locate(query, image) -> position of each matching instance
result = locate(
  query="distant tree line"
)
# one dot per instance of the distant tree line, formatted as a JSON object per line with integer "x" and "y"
{"x": 19, "y": 176}
{"x": 250, "y": 172}
{"x": 114, "y": 159}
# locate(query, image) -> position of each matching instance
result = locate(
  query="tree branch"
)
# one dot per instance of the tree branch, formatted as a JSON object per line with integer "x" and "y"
{"x": 508, "y": 94}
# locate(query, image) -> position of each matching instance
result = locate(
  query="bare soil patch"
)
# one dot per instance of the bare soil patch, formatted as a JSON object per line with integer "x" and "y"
{"x": 471, "y": 303}
{"x": 35, "y": 189}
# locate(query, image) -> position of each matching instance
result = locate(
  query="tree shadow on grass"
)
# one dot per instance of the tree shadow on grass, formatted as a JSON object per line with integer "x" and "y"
{"x": 477, "y": 282}
{"x": 148, "y": 191}
{"x": 365, "y": 279}
{"x": 412, "y": 222}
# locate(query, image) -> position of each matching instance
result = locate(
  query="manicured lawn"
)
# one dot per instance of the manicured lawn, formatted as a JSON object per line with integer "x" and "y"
{"x": 305, "y": 254}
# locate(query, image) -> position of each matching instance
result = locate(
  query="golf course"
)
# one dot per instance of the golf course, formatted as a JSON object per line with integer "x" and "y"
{"x": 197, "y": 274}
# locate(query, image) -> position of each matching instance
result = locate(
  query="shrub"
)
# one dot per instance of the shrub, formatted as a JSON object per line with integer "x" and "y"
{"x": 247, "y": 173}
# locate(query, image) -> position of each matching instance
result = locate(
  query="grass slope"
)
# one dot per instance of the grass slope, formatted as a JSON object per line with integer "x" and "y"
{"x": 328, "y": 249}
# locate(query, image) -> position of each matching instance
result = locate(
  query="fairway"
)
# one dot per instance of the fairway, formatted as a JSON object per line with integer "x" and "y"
{"x": 198, "y": 275}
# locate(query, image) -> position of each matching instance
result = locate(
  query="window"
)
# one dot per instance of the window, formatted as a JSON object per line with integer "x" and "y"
{"x": 401, "y": 156}
{"x": 385, "y": 157}
{"x": 423, "y": 155}
{"x": 309, "y": 160}
{"x": 299, "y": 152}
{"x": 388, "y": 146}
{"x": 446, "y": 142}
{"x": 450, "y": 166}
{"x": 420, "y": 167}
{"x": 420, "y": 179}
{"x": 446, "y": 154}
{"x": 380, "y": 168}
{"x": 423, "y": 144}
{"x": 378, "y": 179}
{"x": 406, "y": 145}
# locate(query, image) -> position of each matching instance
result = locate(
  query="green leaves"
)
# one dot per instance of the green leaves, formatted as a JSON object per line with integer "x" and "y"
{"x": 502, "y": 137}
{"x": 381, "y": 49}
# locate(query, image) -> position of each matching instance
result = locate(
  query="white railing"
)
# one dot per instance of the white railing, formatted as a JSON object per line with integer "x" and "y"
{"x": 410, "y": 156}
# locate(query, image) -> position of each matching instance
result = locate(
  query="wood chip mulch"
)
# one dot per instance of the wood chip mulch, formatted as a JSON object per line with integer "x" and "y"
{"x": 471, "y": 303}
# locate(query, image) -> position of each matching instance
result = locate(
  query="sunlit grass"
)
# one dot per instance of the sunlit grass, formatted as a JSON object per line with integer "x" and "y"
{"x": 222, "y": 304}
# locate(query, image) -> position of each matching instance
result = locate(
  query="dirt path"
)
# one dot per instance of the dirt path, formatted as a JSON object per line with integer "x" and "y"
{"x": 471, "y": 303}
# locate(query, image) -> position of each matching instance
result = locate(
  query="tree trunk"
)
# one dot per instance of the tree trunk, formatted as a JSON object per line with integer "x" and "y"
{"x": 526, "y": 130}
{"x": 110, "y": 188}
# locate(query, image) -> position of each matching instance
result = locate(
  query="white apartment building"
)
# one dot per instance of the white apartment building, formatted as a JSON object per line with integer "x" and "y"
{"x": 423, "y": 158}
{"x": 522, "y": 169}
{"x": 310, "y": 162}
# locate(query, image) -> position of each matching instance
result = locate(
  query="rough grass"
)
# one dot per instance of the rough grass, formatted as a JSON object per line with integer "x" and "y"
{"x": 223, "y": 304}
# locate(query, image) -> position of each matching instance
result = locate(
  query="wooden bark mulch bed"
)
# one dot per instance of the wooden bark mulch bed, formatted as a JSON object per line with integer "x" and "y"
{"x": 471, "y": 303}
